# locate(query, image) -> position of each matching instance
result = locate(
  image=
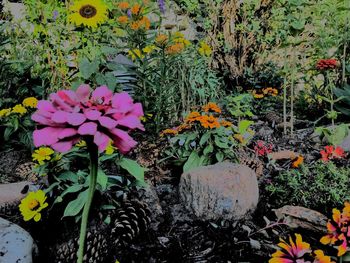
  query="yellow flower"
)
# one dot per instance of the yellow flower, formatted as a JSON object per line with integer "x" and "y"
{"x": 123, "y": 5}
{"x": 5, "y": 112}
{"x": 257, "y": 95}
{"x": 89, "y": 13}
{"x": 204, "y": 49}
{"x": 19, "y": 109}
{"x": 135, "y": 53}
{"x": 42, "y": 154}
{"x": 81, "y": 143}
{"x": 32, "y": 205}
{"x": 149, "y": 49}
{"x": 123, "y": 19}
{"x": 110, "y": 148}
{"x": 30, "y": 102}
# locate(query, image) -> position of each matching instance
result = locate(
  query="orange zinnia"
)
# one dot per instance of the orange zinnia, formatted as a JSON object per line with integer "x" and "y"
{"x": 169, "y": 132}
{"x": 209, "y": 122}
{"x": 136, "y": 9}
{"x": 226, "y": 123}
{"x": 175, "y": 48}
{"x": 183, "y": 126}
{"x": 257, "y": 95}
{"x": 193, "y": 116}
{"x": 123, "y": 19}
{"x": 211, "y": 106}
{"x": 123, "y": 5}
{"x": 161, "y": 39}
{"x": 297, "y": 161}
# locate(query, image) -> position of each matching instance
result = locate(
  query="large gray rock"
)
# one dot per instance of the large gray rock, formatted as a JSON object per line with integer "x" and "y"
{"x": 16, "y": 245}
{"x": 221, "y": 191}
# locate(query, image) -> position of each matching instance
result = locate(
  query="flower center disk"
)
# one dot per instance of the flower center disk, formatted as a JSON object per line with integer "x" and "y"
{"x": 87, "y": 11}
{"x": 33, "y": 204}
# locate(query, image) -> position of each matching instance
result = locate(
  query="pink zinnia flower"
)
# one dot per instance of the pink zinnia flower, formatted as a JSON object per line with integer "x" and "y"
{"x": 69, "y": 115}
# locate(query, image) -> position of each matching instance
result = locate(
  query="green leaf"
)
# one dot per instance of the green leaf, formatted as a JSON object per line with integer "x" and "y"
{"x": 72, "y": 189}
{"x": 243, "y": 126}
{"x": 87, "y": 68}
{"x": 221, "y": 144}
{"x": 204, "y": 138}
{"x": 102, "y": 179}
{"x": 68, "y": 176}
{"x": 193, "y": 161}
{"x": 75, "y": 206}
{"x": 134, "y": 169}
{"x": 219, "y": 156}
{"x": 208, "y": 149}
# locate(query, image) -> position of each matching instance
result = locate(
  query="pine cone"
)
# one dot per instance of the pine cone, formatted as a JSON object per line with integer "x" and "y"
{"x": 129, "y": 221}
{"x": 25, "y": 172}
{"x": 254, "y": 163}
{"x": 9, "y": 211}
{"x": 96, "y": 247}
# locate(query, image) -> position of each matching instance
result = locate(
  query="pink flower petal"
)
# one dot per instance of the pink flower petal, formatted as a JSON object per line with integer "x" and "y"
{"x": 131, "y": 122}
{"x": 123, "y": 141}
{"x": 101, "y": 140}
{"x": 88, "y": 128}
{"x": 122, "y": 101}
{"x": 63, "y": 146}
{"x": 102, "y": 94}
{"x": 41, "y": 119}
{"x": 45, "y": 136}
{"x": 45, "y": 106}
{"x": 60, "y": 117}
{"x": 67, "y": 132}
{"x": 107, "y": 122}
{"x": 58, "y": 103}
{"x": 68, "y": 96}
{"x": 76, "y": 119}
{"x": 137, "y": 110}
{"x": 83, "y": 92}
{"x": 92, "y": 114}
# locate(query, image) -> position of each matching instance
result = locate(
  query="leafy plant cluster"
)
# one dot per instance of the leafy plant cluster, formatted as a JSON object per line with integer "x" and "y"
{"x": 326, "y": 181}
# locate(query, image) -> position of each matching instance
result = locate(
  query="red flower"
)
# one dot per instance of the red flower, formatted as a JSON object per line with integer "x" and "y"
{"x": 330, "y": 153}
{"x": 262, "y": 149}
{"x": 324, "y": 64}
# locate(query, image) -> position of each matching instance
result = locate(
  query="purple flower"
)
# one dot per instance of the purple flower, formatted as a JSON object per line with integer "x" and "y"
{"x": 129, "y": 13}
{"x": 55, "y": 15}
{"x": 161, "y": 4}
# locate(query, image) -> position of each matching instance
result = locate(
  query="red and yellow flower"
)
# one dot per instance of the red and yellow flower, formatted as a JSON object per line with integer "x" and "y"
{"x": 292, "y": 252}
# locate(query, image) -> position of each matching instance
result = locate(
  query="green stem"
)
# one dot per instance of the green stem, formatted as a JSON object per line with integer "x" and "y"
{"x": 93, "y": 151}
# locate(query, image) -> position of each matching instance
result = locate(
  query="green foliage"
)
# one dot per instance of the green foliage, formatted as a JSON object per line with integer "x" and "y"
{"x": 240, "y": 106}
{"x": 321, "y": 186}
{"x": 265, "y": 75}
{"x": 334, "y": 135}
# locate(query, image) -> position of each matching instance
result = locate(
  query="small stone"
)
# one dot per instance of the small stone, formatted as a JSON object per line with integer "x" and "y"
{"x": 12, "y": 193}
{"x": 16, "y": 245}
{"x": 221, "y": 191}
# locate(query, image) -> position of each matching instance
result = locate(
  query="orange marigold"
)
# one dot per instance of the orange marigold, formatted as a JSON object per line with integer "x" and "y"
{"x": 211, "y": 106}
{"x": 169, "y": 132}
{"x": 136, "y": 9}
{"x": 175, "y": 48}
{"x": 297, "y": 161}
{"x": 123, "y": 5}
{"x": 145, "y": 22}
{"x": 183, "y": 126}
{"x": 161, "y": 39}
{"x": 226, "y": 123}
{"x": 193, "y": 116}
{"x": 209, "y": 121}
{"x": 123, "y": 19}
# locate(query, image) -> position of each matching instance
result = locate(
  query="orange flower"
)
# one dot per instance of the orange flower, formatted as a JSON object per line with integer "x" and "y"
{"x": 297, "y": 161}
{"x": 123, "y": 5}
{"x": 175, "y": 48}
{"x": 193, "y": 116}
{"x": 257, "y": 95}
{"x": 136, "y": 9}
{"x": 161, "y": 40}
{"x": 320, "y": 257}
{"x": 292, "y": 252}
{"x": 135, "y": 25}
{"x": 226, "y": 123}
{"x": 123, "y": 19}
{"x": 169, "y": 132}
{"x": 145, "y": 23}
{"x": 211, "y": 106}
{"x": 270, "y": 91}
{"x": 183, "y": 126}
{"x": 209, "y": 121}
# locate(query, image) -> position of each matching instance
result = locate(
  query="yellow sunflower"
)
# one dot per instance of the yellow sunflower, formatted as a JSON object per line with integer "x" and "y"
{"x": 32, "y": 205}
{"x": 89, "y": 13}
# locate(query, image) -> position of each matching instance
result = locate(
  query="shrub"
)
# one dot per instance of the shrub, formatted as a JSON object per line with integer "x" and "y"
{"x": 321, "y": 186}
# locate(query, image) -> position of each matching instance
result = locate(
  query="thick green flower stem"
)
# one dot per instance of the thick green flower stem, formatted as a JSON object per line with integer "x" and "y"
{"x": 93, "y": 151}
